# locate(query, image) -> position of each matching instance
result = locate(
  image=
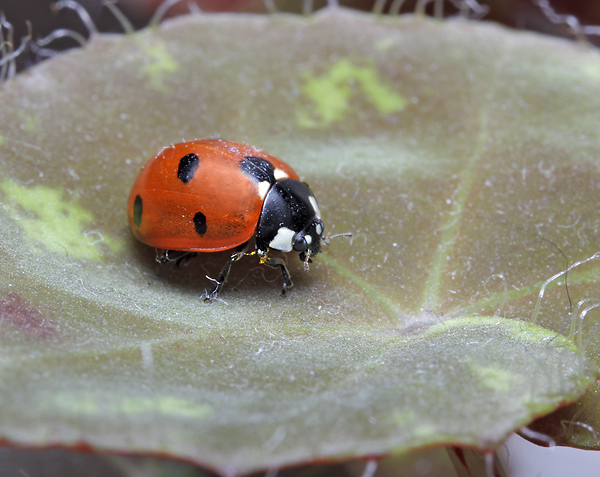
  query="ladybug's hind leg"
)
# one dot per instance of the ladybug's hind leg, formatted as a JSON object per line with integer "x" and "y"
{"x": 279, "y": 263}
{"x": 164, "y": 256}
{"x": 240, "y": 251}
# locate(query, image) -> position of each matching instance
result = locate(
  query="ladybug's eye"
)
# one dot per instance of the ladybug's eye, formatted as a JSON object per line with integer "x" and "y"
{"x": 300, "y": 244}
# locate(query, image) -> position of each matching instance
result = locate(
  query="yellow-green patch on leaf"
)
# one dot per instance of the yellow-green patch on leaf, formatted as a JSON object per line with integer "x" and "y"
{"x": 28, "y": 122}
{"x": 521, "y": 330}
{"x": 161, "y": 63}
{"x": 426, "y": 430}
{"x": 591, "y": 70}
{"x": 404, "y": 418}
{"x": 538, "y": 408}
{"x": 385, "y": 44}
{"x": 94, "y": 404}
{"x": 495, "y": 378}
{"x": 327, "y": 97}
{"x": 57, "y": 224}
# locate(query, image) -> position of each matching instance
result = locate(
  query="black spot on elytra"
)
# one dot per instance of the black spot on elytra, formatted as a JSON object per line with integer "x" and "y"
{"x": 188, "y": 165}
{"x": 200, "y": 223}
{"x": 137, "y": 210}
{"x": 258, "y": 169}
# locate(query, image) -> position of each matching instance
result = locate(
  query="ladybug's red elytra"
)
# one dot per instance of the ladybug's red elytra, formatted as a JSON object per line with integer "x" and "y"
{"x": 210, "y": 195}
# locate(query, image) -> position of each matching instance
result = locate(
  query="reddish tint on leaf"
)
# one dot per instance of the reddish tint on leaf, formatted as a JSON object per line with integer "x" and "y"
{"x": 14, "y": 311}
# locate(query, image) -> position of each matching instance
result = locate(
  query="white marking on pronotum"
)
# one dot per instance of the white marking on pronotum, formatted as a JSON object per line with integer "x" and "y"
{"x": 319, "y": 229}
{"x": 263, "y": 188}
{"x": 283, "y": 240}
{"x": 280, "y": 174}
{"x": 313, "y": 202}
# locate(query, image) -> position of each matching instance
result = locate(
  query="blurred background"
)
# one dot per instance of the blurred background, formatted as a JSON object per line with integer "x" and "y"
{"x": 45, "y": 18}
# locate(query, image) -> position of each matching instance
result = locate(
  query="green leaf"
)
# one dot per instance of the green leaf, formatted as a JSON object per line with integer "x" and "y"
{"x": 464, "y": 159}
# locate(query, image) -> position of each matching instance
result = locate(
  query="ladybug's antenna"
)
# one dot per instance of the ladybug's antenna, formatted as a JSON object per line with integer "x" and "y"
{"x": 345, "y": 234}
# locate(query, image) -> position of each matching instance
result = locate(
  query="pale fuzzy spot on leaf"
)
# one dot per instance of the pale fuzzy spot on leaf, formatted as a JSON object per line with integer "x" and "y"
{"x": 496, "y": 378}
{"x": 591, "y": 70}
{"x": 385, "y": 44}
{"x": 426, "y": 430}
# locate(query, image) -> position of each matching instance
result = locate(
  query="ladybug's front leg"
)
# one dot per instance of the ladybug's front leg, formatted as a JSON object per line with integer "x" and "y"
{"x": 225, "y": 273}
{"x": 278, "y": 262}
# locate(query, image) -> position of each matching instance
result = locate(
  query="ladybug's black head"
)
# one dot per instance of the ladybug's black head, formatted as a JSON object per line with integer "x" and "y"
{"x": 308, "y": 242}
{"x": 290, "y": 220}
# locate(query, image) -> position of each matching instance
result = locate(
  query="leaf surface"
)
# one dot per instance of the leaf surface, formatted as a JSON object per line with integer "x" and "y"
{"x": 464, "y": 159}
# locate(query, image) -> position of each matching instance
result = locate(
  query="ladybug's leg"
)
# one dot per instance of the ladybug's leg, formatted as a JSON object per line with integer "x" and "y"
{"x": 240, "y": 251}
{"x": 164, "y": 256}
{"x": 185, "y": 258}
{"x": 278, "y": 262}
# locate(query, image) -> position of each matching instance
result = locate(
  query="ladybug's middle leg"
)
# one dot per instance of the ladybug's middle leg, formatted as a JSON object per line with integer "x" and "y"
{"x": 275, "y": 263}
{"x": 239, "y": 253}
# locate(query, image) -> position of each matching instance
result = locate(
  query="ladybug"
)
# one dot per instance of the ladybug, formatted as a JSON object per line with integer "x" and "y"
{"x": 210, "y": 195}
